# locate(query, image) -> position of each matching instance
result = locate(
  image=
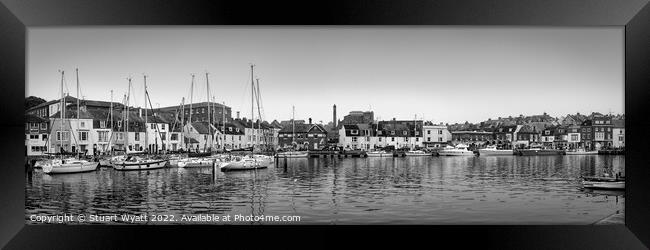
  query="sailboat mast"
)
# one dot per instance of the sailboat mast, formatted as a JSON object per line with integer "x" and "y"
{"x": 252, "y": 108}
{"x": 207, "y": 87}
{"x": 259, "y": 113}
{"x": 61, "y": 110}
{"x": 183, "y": 120}
{"x": 293, "y": 125}
{"x": 223, "y": 126}
{"x": 146, "y": 133}
{"x": 77, "y": 76}
{"x": 128, "y": 96}
{"x": 191, "y": 95}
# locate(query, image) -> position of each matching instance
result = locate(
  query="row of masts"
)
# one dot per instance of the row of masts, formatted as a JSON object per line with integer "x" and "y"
{"x": 255, "y": 98}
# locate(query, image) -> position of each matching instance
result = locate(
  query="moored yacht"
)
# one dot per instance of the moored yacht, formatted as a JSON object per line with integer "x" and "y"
{"x": 417, "y": 153}
{"x": 139, "y": 163}
{"x": 493, "y": 150}
{"x": 292, "y": 154}
{"x": 581, "y": 151}
{"x": 459, "y": 150}
{"x": 380, "y": 153}
{"x": 68, "y": 165}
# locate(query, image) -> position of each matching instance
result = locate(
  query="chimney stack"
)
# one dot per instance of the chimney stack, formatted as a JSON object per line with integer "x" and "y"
{"x": 140, "y": 112}
{"x": 334, "y": 115}
{"x": 309, "y": 121}
{"x": 237, "y": 114}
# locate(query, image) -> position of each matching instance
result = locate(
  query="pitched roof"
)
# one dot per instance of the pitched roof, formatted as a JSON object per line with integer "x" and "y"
{"x": 303, "y": 128}
{"x": 202, "y": 128}
{"x": 68, "y": 99}
{"x": 34, "y": 119}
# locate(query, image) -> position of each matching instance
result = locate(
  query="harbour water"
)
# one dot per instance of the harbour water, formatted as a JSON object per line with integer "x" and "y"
{"x": 472, "y": 190}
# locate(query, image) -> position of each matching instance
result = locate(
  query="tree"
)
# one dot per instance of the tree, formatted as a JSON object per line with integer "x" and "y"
{"x": 33, "y": 101}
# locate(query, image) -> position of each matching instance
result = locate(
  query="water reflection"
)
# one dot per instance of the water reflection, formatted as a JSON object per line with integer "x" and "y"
{"x": 410, "y": 190}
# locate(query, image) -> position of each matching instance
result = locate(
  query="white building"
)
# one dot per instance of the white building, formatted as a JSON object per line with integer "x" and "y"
{"x": 618, "y": 134}
{"x": 436, "y": 136}
{"x": 36, "y": 135}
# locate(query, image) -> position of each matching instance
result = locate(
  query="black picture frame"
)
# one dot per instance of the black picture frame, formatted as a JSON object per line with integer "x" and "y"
{"x": 18, "y": 15}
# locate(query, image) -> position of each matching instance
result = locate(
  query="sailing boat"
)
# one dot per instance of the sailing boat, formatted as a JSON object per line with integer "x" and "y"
{"x": 292, "y": 153}
{"x": 135, "y": 162}
{"x": 68, "y": 165}
{"x": 251, "y": 161}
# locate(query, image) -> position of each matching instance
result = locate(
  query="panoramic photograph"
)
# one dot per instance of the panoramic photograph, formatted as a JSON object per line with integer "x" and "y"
{"x": 251, "y": 125}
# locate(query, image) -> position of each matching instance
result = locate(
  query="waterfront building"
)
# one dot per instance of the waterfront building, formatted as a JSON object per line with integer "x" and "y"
{"x": 201, "y": 136}
{"x": 357, "y": 117}
{"x": 505, "y": 135}
{"x": 526, "y": 136}
{"x": 574, "y": 137}
{"x": 307, "y": 136}
{"x": 475, "y": 138}
{"x": 199, "y": 111}
{"x": 561, "y": 139}
{"x": 435, "y": 136}
{"x": 47, "y": 109}
{"x": 548, "y": 136}
{"x": 586, "y": 136}
{"x": 256, "y": 133}
{"x": 232, "y": 136}
{"x": 37, "y": 131}
{"x": 618, "y": 133}
{"x": 396, "y": 133}
{"x": 602, "y": 131}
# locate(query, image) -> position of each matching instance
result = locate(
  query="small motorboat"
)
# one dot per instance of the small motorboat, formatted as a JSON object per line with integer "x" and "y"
{"x": 292, "y": 154}
{"x": 139, "y": 163}
{"x": 493, "y": 150}
{"x": 581, "y": 151}
{"x": 417, "y": 153}
{"x": 380, "y": 153}
{"x": 195, "y": 162}
{"x": 459, "y": 150}
{"x": 538, "y": 150}
{"x": 68, "y": 166}
{"x": 611, "y": 183}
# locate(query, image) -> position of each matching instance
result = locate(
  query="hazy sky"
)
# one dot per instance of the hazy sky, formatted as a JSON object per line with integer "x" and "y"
{"x": 446, "y": 74}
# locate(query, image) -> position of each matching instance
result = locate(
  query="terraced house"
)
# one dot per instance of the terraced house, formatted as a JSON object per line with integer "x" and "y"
{"x": 304, "y": 136}
{"x": 37, "y": 134}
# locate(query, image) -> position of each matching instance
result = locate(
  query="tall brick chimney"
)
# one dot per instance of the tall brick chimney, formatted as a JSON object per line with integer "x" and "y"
{"x": 310, "y": 121}
{"x": 334, "y": 115}
{"x": 237, "y": 114}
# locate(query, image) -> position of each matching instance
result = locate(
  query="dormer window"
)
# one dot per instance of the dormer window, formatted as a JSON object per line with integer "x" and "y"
{"x": 392, "y": 132}
{"x": 102, "y": 124}
{"x": 404, "y": 132}
{"x": 230, "y": 129}
{"x": 354, "y": 132}
{"x": 237, "y": 129}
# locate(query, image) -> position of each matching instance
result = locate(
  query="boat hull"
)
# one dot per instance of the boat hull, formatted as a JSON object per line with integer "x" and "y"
{"x": 245, "y": 165}
{"x": 495, "y": 152}
{"x": 379, "y": 154}
{"x": 417, "y": 154}
{"x": 125, "y": 166}
{"x": 581, "y": 153}
{"x": 527, "y": 152}
{"x": 292, "y": 155}
{"x": 609, "y": 185}
{"x": 70, "y": 168}
{"x": 455, "y": 153}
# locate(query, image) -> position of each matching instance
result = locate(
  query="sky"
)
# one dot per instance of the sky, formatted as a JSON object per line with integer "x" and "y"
{"x": 440, "y": 73}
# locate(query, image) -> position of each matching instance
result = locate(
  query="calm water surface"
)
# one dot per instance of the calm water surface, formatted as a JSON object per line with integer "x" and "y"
{"x": 410, "y": 190}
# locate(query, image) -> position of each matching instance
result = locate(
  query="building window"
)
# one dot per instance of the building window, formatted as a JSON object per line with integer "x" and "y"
{"x": 392, "y": 139}
{"x": 44, "y": 126}
{"x": 621, "y": 138}
{"x": 102, "y": 136}
{"x": 428, "y": 138}
{"x": 440, "y": 139}
{"x": 35, "y": 137}
{"x": 62, "y": 135}
{"x": 83, "y": 124}
{"x": 354, "y": 132}
{"x": 417, "y": 139}
{"x": 379, "y": 139}
{"x": 428, "y": 132}
{"x": 44, "y": 137}
{"x": 174, "y": 137}
{"x": 83, "y": 135}
{"x": 137, "y": 136}
{"x": 34, "y": 126}
{"x": 152, "y": 126}
{"x": 163, "y": 135}
{"x": 354, "y": 139}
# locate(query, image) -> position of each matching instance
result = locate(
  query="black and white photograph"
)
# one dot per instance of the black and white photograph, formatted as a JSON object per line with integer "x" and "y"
{"x": 325, "y": 125}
